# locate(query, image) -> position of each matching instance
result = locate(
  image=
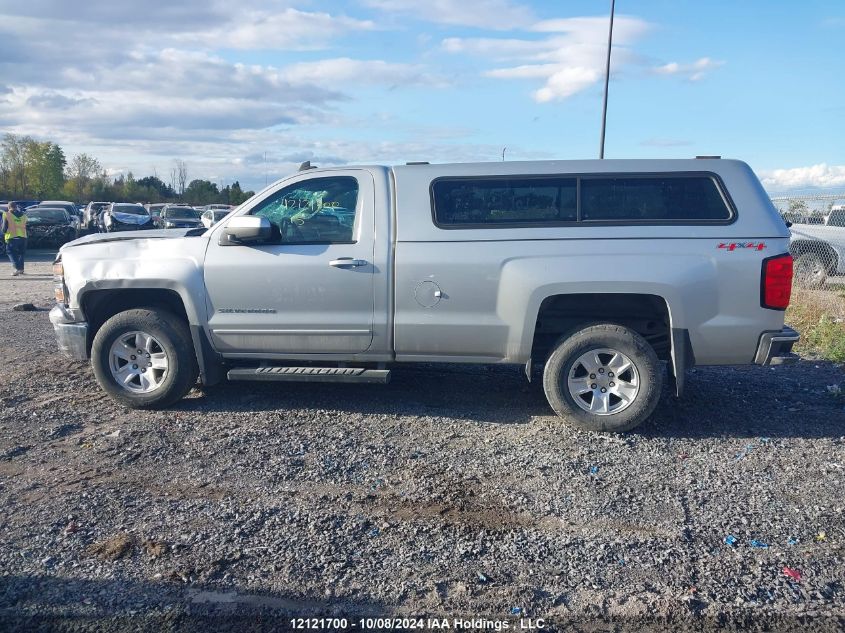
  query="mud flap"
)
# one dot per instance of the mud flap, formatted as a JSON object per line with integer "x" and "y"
{"x": 209, "y": 362}
{"x": 682, "y": 359}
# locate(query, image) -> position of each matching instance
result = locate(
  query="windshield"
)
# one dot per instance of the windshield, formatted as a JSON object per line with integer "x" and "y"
{"x": 219, "y": 215}
{"x": 132, "y": 209}
{"x": 47, "y": 215}
{"x": 182, "y": 213}
{"x": 60, "y": 205}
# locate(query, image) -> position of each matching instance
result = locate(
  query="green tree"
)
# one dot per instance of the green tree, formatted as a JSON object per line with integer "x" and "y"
{"x": 130, "y": 188}
{"x": 201, "y": 192}
{"x": 12, "y": 156}
{"x": 237, "y": 195}
{"x": 101, "y": 189}
{"x": 797, "y": 207}
{"x": 45, "y": 164}
{"x": 156, "y": 188}
{"x": 81, "y": 170}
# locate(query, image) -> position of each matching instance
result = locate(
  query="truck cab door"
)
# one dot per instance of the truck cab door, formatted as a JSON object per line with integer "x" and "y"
{"x": 310, "y": 288}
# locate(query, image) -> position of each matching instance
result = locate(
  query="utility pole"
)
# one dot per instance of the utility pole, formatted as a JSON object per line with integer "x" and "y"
{"x": 606, "y": 78}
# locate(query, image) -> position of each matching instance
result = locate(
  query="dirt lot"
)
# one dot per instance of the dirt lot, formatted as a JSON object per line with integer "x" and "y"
{"x": 452, "y": 492}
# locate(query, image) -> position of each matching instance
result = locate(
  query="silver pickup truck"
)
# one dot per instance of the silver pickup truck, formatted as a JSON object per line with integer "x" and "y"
{"x": 597, "y": 270}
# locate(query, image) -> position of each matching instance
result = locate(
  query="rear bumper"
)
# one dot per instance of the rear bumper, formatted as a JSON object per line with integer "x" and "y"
{"x": 775, "y": 348}
{"x": 71, "y": 336}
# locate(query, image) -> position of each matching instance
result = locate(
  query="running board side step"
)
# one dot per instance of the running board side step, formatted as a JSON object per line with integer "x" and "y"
{"x": 311, "y": 374}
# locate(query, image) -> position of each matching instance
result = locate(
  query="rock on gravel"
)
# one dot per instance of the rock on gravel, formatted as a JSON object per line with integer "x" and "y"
{"x": 112, "y": 548}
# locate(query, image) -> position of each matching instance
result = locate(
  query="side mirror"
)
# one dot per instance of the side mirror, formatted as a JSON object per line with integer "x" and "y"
{"x": 246, "y": 229}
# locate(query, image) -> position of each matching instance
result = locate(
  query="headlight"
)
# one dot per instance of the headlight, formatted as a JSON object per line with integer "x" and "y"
{"x": 59, "y": 282}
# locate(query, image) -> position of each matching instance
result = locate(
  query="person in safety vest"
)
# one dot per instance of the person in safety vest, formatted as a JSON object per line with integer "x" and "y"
{"x": 14, "y": 233}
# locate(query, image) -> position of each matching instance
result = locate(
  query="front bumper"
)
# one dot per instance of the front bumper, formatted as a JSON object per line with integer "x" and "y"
{"x": 118, "y": 228}
{"x": 775, "y": 348}
{"x": 71, "y": 335}
{"x": 38, "y": 234}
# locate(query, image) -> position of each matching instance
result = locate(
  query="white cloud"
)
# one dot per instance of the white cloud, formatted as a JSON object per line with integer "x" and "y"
{"x": 290, "y": 29}
{"x": 245, "y": 24}
{"x": 485, "y": 14}
{"x": 496, "y": 48}
{"x": 821, "y": 175}
{"x": 346, "y": 71}
{"x": 570, "y": 57}
{"x": 695, "y": 71}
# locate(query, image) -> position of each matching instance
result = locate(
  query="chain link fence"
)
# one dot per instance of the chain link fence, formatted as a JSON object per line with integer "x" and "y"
{"x": 817, "y": 244}
{"x": 818, "y": 237}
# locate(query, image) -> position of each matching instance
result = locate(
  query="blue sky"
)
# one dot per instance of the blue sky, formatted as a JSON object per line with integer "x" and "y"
{"x": 220, "y": 85}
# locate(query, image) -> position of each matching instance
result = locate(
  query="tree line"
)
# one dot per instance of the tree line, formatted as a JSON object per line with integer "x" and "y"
{"x": 31, "y": 169}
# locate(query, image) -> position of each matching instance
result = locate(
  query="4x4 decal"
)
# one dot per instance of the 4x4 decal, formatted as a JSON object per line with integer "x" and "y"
{"x": 732, "y": 246}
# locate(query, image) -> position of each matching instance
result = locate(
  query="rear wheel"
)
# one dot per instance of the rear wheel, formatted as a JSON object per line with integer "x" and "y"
{"x": 810, "y": 270}
{"x": 604, "y": 377}
{"x": 144, "y": 358}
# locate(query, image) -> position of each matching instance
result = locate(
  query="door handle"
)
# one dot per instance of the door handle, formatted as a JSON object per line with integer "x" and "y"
{"x": 347, "y": 262}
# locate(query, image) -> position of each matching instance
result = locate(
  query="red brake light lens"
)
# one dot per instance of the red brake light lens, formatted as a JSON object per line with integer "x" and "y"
{"x": 776, "y": 284}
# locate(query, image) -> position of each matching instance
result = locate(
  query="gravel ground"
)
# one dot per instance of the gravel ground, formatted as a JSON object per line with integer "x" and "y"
{"x": 450, "y": 493}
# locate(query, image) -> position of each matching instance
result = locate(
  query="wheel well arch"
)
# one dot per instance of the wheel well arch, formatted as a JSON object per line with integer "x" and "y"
{"x": 646, "y": 314}
{"x": 828, "y": 255}
{"x": 99, "y": 306}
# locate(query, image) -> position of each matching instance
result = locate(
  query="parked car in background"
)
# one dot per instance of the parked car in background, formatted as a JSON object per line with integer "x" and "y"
{"x": 68, "y": 206}
{"x": 92, "y": 213}
{"x": 154, "y": 210}
{"x": 179, "y": 216}
{"x": 819, "y": 249}
{"x": 50, "y": 226}
{"x": 210, "y": 217}
{"x": 125, "y": 216}
{"x": 836, "y": 217}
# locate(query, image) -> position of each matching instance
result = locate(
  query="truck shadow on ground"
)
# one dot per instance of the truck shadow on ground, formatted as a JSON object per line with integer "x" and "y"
{"x": 799, "y": 401}
{"x": 482, "y": 394}
{"x": 48, "y": 603}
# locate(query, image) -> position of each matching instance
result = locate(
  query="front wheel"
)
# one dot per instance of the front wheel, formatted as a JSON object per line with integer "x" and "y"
{"x": 144, "y": 358}
{"x": 604, "y": 377}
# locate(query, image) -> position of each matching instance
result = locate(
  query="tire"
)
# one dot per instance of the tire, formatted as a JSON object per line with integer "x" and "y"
{"x": 169, "y": 345}
{"x": 565, "y": 373}
{"x": 810, "y": 270}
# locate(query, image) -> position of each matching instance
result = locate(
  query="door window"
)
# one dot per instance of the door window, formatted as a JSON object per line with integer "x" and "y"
{"x": 316, "y": 211}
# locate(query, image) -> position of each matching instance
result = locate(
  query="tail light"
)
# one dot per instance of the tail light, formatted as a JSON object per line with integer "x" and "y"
{"x": 776, "y": 283}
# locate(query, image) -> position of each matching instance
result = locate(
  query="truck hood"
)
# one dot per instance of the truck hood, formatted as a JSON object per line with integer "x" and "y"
{"x": 158, "y": 234}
